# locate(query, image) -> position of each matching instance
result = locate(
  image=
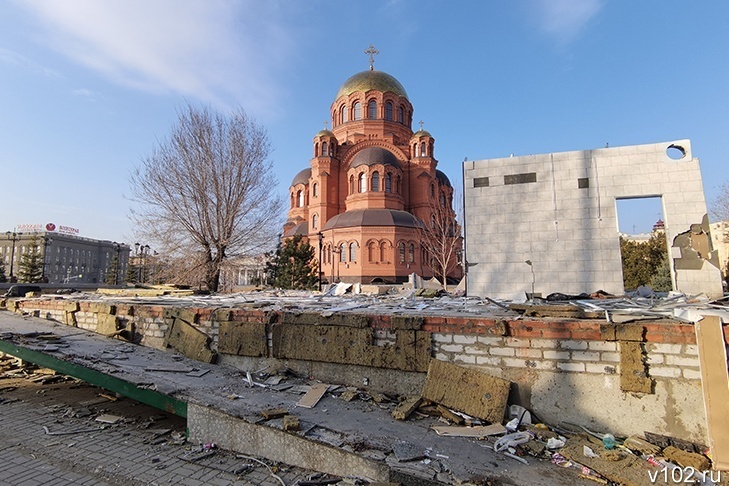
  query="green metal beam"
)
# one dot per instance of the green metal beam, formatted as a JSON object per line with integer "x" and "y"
{"x": 111, "y": 383}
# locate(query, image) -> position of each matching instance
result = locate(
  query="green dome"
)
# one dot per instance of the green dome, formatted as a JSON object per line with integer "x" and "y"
{"x": 367, "y": 80}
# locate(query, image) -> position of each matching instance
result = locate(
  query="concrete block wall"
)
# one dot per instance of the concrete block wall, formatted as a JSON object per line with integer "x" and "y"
{"x": 563, "y": 370}
{"x": 559, "y": 212}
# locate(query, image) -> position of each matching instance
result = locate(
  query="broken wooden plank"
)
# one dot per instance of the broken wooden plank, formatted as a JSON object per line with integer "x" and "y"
{"x": 312, "y": 397}
{"x": 715, "y": 385}
{"x": 480, "y": 431}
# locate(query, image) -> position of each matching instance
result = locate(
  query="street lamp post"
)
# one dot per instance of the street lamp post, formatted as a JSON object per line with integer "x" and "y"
{"x": 47, "y": 240}
{"x": 13, "y": 236}
{"x": 337, "y": 251}
{"x": 531, "y": 267}
{"x": 143, "y": 253}
{"x": 321, "y": 239}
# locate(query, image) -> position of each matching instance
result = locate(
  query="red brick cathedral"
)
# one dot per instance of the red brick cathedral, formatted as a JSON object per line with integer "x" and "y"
{"x": 370, "y": 182}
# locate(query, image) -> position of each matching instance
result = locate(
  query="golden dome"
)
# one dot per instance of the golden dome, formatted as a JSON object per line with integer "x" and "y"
{"x": 372, "y": 80}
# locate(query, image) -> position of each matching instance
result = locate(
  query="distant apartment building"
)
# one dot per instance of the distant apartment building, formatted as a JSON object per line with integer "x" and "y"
{"x": 66, "y": 258}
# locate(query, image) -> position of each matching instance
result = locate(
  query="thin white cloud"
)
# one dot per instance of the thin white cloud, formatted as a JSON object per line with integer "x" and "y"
{"x": 565, "y": 19}
{"x": 86, "y": 93}
{"x": 10, "y": 57}
{"x": 220, "y": 52}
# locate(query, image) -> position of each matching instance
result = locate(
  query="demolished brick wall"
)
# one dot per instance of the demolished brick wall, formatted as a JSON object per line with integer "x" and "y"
{"x": 562, "y": 369}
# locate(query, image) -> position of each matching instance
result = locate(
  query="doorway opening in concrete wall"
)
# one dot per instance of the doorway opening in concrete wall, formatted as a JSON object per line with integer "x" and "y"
{"x": 643, "y": 246}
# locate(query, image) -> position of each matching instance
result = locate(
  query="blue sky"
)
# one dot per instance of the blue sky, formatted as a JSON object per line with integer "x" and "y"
{"x": 88, "y": 87}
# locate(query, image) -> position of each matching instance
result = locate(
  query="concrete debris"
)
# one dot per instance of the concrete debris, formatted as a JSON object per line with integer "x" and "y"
{"x": 273, "y": 413}
{"x": 312, "y": 397}
{"x": 478, "y": 431}
{"x": 467, "y": 390}
{"x": 406, "y": 407}
{"x": 291, "y": 423}
{"x": 109, "y": 419}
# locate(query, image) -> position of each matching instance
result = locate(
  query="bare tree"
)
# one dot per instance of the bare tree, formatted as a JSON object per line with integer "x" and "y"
{"x": 720, "y": 208}
{"x": 207, "y": 192}
{"x": 441, "y": 238}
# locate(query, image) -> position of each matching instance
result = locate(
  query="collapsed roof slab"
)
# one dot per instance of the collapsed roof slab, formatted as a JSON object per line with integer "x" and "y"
{"x": 548, "y": 223}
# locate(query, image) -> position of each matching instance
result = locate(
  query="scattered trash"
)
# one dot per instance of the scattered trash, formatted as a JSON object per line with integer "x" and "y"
{"x": 553, "y": 443}
{"x": 511, "y": 440}
{"x": 588, "y": 452}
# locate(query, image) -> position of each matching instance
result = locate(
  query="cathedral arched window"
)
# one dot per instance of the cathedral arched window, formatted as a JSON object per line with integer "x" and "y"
{"x": 423, "y": 153}
{"x": 442, "y": 199}
{"x": 372, "y": 110}
{"x": 375, "y": 182}
{"x": 411, "y": 253}
{"x": 388, "y": 110}
{"x": 398, "y": 188}
{"x": 315, "y": 221}
{"x": 300, "y": 198}
{"x": 388, "y": 182}
{"x": 401, "y": 114}
{"x": 342, "y": 253}
{"x": 432, "y": 190}
{"x": 415, "y": 150}
{"x": 383, "y": 251}
{"x": 401, "y": 251}
{"x": 315, "y": 190}
{"x": 351, "y": 184}
{"x": 353, "y": 252}
{"x": 362, "y": 182}
{"x": 357, "y": 109}
{"x": 324, "y": 149}
{"x": 343, "y": 115}
{"x": 293, "y": 199}
{"x": 372, "y": 252}
{"x": 316, "y": 149}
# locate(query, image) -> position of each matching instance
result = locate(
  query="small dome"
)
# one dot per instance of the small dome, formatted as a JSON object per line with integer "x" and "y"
{"x": 374, "y": 156}
{"x": 324, "y": 133}
{"x": 442, "y": 178}
{"x": 302, "y": 177}
{"x": 368, "y": 80}
{"x": 372, "y": 217}
{"x": 422, "y": 133}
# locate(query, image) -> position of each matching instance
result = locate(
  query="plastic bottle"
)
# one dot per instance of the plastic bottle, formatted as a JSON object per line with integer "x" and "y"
{"x": 608, "y": 441}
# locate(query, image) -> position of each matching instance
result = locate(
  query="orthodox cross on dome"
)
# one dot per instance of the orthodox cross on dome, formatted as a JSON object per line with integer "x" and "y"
{"x": 372, "y": 52}
{"x": 421, "y": 125}
{"x": 326, "y": 125}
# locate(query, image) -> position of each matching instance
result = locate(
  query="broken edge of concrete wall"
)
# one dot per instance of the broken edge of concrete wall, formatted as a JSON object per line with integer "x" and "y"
{"x": 207, "y": 425}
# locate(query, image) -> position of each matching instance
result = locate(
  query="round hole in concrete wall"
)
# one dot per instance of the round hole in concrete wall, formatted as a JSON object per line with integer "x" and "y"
{"x": 675, "y": 152}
